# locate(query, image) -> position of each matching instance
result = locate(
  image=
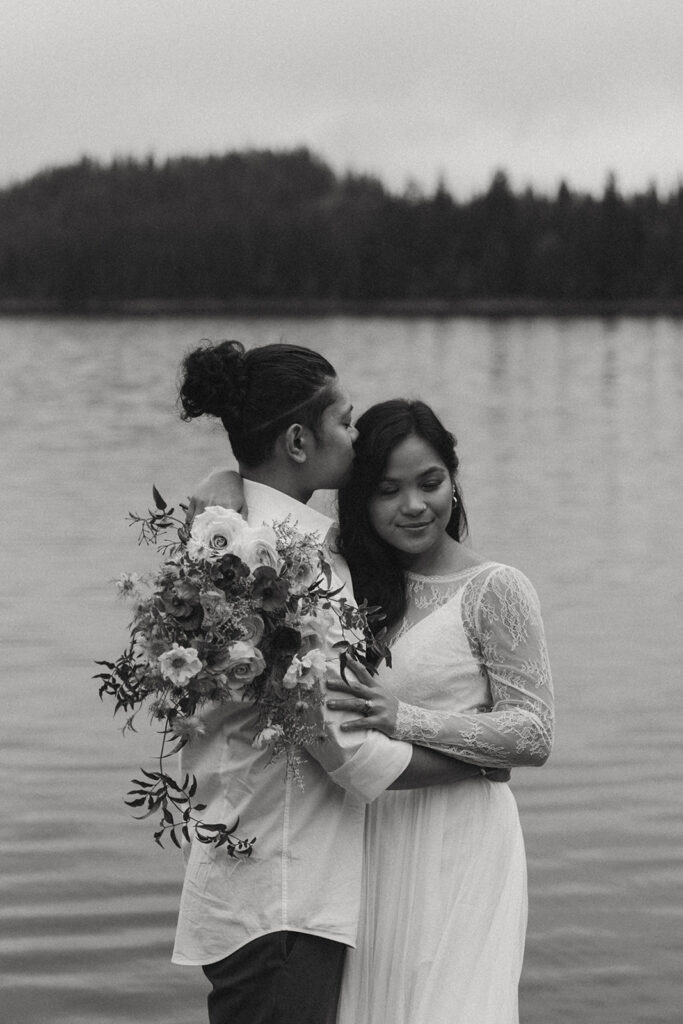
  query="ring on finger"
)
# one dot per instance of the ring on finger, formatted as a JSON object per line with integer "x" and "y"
{"x": 367, "y": 707}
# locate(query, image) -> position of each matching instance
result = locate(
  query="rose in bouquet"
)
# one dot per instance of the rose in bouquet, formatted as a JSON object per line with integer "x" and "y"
{"x": 233, "y": 613}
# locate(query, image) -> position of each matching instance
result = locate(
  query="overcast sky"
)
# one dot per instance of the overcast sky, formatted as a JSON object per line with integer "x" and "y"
{"x": 542, "y": 88}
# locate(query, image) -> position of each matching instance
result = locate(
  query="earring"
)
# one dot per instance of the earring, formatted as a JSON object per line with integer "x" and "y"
{"x": 455, "y": 498}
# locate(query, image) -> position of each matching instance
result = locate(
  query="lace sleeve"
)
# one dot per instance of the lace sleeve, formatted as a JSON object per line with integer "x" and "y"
{"x": 503, "y": 624}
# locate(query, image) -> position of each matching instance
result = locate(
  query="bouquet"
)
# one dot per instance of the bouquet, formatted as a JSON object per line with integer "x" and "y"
{"x": 234, "y": 613}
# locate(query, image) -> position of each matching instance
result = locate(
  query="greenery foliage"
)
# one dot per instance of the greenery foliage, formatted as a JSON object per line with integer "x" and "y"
{"x": 263, "y": 225}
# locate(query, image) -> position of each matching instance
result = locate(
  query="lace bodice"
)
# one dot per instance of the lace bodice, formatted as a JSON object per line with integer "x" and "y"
{"x": 470, "y": 668}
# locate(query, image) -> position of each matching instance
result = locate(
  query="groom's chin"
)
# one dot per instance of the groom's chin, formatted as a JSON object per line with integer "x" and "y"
{"x": 345, "y": 477}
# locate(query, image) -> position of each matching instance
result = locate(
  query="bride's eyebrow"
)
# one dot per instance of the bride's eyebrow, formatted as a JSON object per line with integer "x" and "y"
{"x": 424, "y": 472}
{"x": 432, "y": 471}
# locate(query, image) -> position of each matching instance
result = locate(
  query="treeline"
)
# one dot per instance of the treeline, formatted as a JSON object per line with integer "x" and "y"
{"x": 262, "y": 225}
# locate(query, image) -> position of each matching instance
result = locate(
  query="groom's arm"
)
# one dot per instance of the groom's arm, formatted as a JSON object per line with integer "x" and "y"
{"x": 368, "y": 768}
{"x": 429, "y": 768}
{"x": 379, "y": 763}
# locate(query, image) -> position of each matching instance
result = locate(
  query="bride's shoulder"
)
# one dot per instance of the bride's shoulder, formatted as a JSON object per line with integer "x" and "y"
{"x": 505, "y": 585}
{"x": 488, "y": 570}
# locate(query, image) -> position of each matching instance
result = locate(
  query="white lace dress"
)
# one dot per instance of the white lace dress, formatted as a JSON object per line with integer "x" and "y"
{"x": 442, "y": 930}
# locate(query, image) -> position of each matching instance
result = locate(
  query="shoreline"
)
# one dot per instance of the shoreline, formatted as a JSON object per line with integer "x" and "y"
{"x": 441, "y": 308}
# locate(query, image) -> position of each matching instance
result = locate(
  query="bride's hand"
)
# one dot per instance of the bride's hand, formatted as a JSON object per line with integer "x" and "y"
{"x": 364, "y": 694}
{"x": 222, "y": 487}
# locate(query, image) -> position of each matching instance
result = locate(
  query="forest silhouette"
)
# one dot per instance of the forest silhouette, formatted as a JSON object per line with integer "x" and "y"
{"x": 260, "y": 227}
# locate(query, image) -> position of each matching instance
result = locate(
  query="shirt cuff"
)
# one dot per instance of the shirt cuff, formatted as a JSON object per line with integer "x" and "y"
{"x": 375, "y": 765}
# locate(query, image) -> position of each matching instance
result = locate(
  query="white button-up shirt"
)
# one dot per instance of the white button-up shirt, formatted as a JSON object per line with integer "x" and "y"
{"x": 305, "y": 871}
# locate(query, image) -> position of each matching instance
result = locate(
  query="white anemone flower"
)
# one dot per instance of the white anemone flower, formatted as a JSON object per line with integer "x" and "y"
{"x": 180, "y": 664}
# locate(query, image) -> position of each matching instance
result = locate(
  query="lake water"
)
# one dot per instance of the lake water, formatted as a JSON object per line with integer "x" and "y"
{"x": 570, "y": 434}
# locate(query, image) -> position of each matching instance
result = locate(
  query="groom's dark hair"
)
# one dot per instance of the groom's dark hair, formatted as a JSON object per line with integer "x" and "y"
{"x": 256, "y": 393}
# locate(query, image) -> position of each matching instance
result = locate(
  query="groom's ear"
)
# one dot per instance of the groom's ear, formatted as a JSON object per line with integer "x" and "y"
{"x": 296, "y": 442}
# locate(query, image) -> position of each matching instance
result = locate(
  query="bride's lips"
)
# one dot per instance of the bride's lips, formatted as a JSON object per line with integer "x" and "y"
{"x": 415, "y": 526}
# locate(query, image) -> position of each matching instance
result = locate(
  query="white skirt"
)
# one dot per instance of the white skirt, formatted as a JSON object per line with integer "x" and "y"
{"x": 443, "y": 912}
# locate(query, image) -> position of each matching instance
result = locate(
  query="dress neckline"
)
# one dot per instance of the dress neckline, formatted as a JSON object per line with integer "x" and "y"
{"x": 446, "y": 576}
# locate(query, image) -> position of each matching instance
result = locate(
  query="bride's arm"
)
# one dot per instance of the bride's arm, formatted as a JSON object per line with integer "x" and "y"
{"x": 221, "y": 487}
{"x": 504, "y": 623}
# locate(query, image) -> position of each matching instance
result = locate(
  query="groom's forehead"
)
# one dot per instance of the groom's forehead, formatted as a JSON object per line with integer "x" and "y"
{"x": 342, "y": 403}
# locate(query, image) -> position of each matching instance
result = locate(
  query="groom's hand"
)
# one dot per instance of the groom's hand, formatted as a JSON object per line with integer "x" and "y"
{"x": 221, "y": 487}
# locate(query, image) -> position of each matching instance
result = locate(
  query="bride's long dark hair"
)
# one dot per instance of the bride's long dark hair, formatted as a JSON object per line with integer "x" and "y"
{"x": 377, "y": 573}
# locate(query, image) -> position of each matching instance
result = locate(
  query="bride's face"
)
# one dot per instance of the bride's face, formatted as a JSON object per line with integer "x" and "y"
{"x": 412, "y": 503}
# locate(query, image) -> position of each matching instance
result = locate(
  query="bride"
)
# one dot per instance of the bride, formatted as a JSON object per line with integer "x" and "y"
{"x": 444, "y": 901}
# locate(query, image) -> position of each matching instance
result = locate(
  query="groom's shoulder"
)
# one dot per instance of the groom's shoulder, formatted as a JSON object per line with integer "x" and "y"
{"x": 337, "y": 561}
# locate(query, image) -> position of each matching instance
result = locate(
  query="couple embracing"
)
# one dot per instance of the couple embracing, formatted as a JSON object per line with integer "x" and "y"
{"x": 391, "y": 889}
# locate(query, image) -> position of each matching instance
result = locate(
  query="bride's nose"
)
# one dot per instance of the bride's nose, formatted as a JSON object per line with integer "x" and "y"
{"x": 413, "y": 504}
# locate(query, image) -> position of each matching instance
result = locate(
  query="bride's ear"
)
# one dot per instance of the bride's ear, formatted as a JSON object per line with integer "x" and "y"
{"x": 295, "y": 441}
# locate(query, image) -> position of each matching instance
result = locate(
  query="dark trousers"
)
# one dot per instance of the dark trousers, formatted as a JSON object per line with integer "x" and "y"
{"x": 280, "y": 978}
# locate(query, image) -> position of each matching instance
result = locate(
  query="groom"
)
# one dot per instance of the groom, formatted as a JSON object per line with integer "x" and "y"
{"x": 271, "y": 932}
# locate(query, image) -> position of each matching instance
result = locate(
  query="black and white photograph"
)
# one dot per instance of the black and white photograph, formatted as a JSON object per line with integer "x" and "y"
{"x": 341, "y": 421}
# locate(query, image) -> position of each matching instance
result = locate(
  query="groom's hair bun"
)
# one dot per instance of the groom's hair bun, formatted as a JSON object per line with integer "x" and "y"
{"x": 256, "y": 393}
{"x": 214, "y": 382}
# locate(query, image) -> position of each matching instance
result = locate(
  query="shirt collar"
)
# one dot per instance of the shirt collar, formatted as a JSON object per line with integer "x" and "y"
{"x": 266, "y": 503}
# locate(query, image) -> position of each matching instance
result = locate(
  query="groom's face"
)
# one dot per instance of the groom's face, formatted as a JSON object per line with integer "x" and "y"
{"x": 333, "y": 454}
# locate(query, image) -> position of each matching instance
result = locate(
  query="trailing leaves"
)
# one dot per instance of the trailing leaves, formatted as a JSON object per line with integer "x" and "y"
{"x": 159, "y": 793}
